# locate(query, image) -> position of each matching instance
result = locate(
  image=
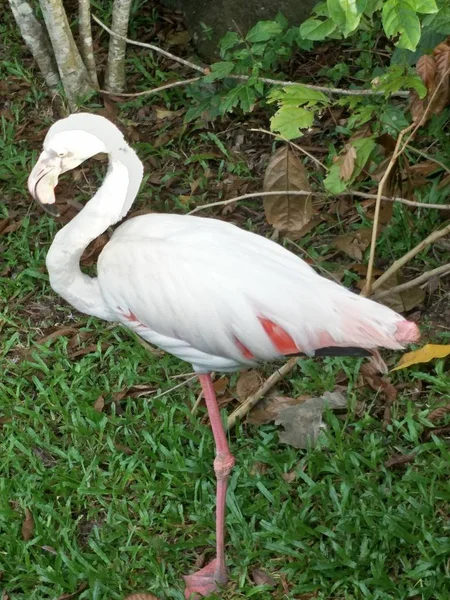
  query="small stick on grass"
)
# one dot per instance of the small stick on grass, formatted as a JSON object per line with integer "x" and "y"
{"x": 252, "y": 400}
{"x": 441, "y": 271}
{"x": 409, "y": 255}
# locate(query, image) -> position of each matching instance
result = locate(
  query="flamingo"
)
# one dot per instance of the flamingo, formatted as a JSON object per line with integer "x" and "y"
{"x": 204, "y": 290}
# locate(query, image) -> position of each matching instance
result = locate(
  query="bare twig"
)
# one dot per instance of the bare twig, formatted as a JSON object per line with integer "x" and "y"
{"x": 319, "y": 195}
{"x": 187, "y": 63}
{"x": 205, "y": 71}
{"x": 252, "y": 400}
{"x": 175, "y": 387}
{"x": 395, "y": 155}
{"x": 322, "y": 88}
{"x": 373, "y": 243}
{"x": 299, "y": 148}
{"x": 156, "y": 90}
{"x": 441, "y": 271}
{"x": 409, "y": 255}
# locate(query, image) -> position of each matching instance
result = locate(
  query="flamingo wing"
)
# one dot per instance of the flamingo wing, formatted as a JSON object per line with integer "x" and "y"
{"x": 221, "y": 297}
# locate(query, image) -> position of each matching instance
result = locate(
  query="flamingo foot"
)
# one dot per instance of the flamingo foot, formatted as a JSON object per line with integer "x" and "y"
{"x": 205, "y": 581}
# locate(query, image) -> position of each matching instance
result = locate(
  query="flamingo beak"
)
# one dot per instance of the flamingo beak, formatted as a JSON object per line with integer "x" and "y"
{"x": 42, "y": 182}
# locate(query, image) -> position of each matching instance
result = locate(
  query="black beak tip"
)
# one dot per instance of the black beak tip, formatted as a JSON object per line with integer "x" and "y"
{"x": 50, "y": 209}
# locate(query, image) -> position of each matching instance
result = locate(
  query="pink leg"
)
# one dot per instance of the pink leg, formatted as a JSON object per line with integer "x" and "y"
{"x": 205, "y": 581}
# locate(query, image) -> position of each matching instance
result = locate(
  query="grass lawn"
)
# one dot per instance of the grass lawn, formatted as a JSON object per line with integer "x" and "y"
{"x": 120, "y": 488}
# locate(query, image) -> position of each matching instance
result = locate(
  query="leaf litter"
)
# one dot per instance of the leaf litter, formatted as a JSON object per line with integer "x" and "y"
{"x": 303, "y": 422}
{"x": 285, "y": 172}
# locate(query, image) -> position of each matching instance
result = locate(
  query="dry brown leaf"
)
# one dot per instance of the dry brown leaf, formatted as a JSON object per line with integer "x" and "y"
{"x": 289, "y": 477}
{"x": 28, "y": 526}
{"x": 438, "y": 431}
{"x": 285, "y": 172}
{"x": 99, "y": 404}
{"x": 426, "y": 69}
{"x": 221, "y": 385}
{"x": 247, "y": 384}
{"x": 438, "y": 413}
{"x": 398, "y": 460}
{"x": 61, "y": 331}
{"x": 347, "y": 163}
{"x": 267, "y": 410}
{"x": 262, "y": 578}
{"x": 303, "y": 423}
{"x": 442, "y": 58}
{"x": 355, "y": 243}
{"x": 9, "y": 226}
{"x": 124, "y": 449}
{"x": 401, "y": 301}
{"x": 88, "y": 349}
{"x": 141, "y": 597}
{"x": 74, "y": 594}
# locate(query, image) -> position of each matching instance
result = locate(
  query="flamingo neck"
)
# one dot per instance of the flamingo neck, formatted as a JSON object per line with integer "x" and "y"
{"x": 111, "y": 203}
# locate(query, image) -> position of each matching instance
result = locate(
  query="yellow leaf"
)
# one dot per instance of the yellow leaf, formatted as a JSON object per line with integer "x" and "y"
{"x": 423, "y": 355}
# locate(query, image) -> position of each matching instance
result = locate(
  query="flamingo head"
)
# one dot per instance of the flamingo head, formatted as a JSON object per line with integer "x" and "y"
{"x": 68, "y": 143}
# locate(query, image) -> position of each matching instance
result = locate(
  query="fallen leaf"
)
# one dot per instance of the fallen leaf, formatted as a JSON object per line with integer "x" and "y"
{"x": 46, "y": 458}
{"x": 438, "y": 413}
{"x": 398, "y": 460}
{"x": 268, "y": 409}
{"x": 289, "y": 477}
{"x": 247, "y": 384}
{"x": 28, "y": 526}
{"x": 347, "y": 166}
{"x": 178, "y": 38}
{"x": 401, "y": 301}
{"x": 355, "y": 243}
{"x": 9, "y": 226}
{"x": 262, "y": 578}
{"x": 441, "y": 56}
{"x": 124, "y": 449}
{"x": 74, "y": 594}
{"x": 423, "y": 355}
{"x": 99, "y": 404}
{"x": 426, "y": 69}
{"x": 220, "y": 385}
{"x": 302, "y": 423}
{"x": 438, "y": 431}
{"x": 285, "y": 172}
{"x": 141, "y": 597}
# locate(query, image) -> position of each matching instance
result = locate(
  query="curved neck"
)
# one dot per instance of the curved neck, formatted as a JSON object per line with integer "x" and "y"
{"x": 110, "y": 204}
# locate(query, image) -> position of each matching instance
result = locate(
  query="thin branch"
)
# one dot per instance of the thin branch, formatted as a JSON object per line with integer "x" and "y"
{"x": 395, "y": 155}
{"x": 187, "y": 63}
{"x": 373, "y": 242}
{"x": 156, "y": 90}
{"x": 252, "y": 400}
{"x": 205, "y": 71}
{"x": 322, "y": 88}
{"x": 441, "y": 271}
{"x": 299, "y": 148}
{"x": 409, "y": 255}
{"x": 319, "y": 195}
{"x": 175, "y": 387}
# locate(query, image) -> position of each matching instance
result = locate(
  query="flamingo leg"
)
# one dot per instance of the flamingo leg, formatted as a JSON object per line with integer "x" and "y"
{"x": 206, "y": 580}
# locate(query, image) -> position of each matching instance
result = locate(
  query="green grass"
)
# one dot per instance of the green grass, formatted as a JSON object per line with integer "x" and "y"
{"x": 123, "y": 500}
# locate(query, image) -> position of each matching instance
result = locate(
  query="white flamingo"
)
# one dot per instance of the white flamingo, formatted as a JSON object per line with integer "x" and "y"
{"x": 204, "y": 290}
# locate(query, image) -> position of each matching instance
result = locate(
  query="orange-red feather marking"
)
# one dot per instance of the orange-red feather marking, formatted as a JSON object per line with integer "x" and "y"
{"x": 245, "y": 351}
{"x": 280, "y": 338}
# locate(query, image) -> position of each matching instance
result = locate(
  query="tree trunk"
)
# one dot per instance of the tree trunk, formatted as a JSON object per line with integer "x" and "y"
{"x": 36, "y": 39}
{"x": 73, "y": 73}
{"x": 115, "y": 73}
{"x": 86, "y": 45}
